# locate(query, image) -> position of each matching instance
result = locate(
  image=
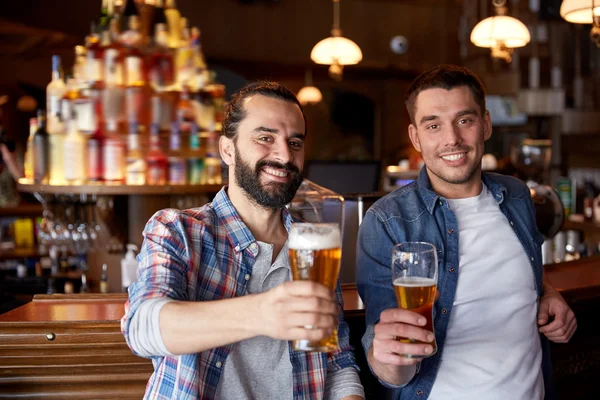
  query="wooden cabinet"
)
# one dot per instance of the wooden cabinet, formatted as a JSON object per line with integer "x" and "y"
{"x": 69, "y": 347}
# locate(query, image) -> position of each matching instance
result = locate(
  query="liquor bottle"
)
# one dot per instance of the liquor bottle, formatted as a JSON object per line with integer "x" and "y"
{"x": 94, "y": 63}
{"x": 54, "y": 94}
{"x": 79, "y": 67}
{"x": 74, "y": 155}
{"x": 184, "y": 57}
{"x": 56, "y": 174}
{"x": 588, "y": 201}
{"x": 162, "y": 111}
{"x": 195, "y": 160}
{"x": 28, "y": 165}
{"x": 173, "y": 21}
{"x": 113, "y": 155}
{"x": 177, "y": 164}
{"x": 161, "y": 61}
{"x": 130, "y": 9}
{"x": 134, "y": 71}
{"x": 105, "y": 15}
{"x": 104, "y": 280}
{"x": 84, "y": 286}
{"x": 156, "y": 160}
{"x": 135, "y": 170}
{"x": 41, "y": 166}
{"x": 95, "y": 144}
{"x": 185, "y": 111}
{"x": 113, "y": 93}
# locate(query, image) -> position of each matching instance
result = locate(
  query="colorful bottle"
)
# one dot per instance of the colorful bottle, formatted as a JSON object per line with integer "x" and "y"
{"x": 135, "y": 170}
{"x": 113, "y": 93}
{"x": 28, "y": 165}
{"x": 195, "y": 160}
{"x": 156, "y": 160}
{"x": 74, "y": 155}
{"x": 41, "y": 166}
{"x": 161, "y": 61}
{"x": 177, "y": 164}
{"x": 113, "y": 160}
{"x": 54, "y": 93}
{"x": 104, "y": 279}
{"x": 173, "y": 21}
{"x": 95, "y": 144}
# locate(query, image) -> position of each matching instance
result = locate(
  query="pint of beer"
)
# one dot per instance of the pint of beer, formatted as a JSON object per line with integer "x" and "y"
{"x": 414, "y": 271}
{"x": 315, "y": 255}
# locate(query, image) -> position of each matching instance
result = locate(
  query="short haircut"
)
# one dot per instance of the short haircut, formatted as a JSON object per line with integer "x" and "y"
{"x": 235, "y": 112}
{"x": 445, "y": 77}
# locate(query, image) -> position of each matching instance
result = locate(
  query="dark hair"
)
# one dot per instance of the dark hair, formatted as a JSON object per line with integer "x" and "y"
{"x": 235, "y": 112}
{"x": 445, "y": 77}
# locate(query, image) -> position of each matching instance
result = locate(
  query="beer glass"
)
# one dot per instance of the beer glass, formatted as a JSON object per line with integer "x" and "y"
{"x": 315, "y": 255}
{"x": 414, "y": 274}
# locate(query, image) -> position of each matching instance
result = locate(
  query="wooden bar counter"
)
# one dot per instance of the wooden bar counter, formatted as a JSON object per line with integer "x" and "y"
{"x": 71, "y": 346}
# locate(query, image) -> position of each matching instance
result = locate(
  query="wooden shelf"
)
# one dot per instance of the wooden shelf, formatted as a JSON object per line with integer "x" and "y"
{"x": 23, "y": 210}
{"x": 116, "y": 189}
{"x": 20, "y": 253}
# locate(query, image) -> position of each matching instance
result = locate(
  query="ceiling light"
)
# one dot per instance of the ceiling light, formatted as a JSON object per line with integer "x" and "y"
{"x": 583, "y": 12}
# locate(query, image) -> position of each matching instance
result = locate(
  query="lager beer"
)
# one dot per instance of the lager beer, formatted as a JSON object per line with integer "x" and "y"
{"x": 315, "y": 255}
{"x": 414, "y": 278}
{"x": 417, "y": 295}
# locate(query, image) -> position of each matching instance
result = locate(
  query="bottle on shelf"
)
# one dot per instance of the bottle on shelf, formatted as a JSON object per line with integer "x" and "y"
{"x": 161, "y": 75}
{"x": 185, "y": 111}
{"x": 173, "y": 21}
{"x": 195, "y": 159}
{"x": 29, "y": 162}
{"x": 84, "y": 285}
{"x": 74, "y": 155}
{"x": 156, "y": 161}
{"x": 105, "y": 15}
{"x": 54, "y": 93}
{"x": 113, "y": 93}
{"x": 177, "y": 164}
{"x": 104, "y": 280}
{"x": 95, "y": 146}
{"x": 113, "y": 160}
{"x": 41, "y": 157}
{"x": 135, "y": 173}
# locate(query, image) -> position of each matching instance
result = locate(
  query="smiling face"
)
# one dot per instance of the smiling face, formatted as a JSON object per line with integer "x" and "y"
{"x": 449, "y": 131}
{"x": 268, "y": 151}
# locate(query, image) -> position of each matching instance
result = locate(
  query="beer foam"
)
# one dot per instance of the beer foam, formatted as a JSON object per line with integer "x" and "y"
{"x": 314, "y": 237}
{"x": 414, "y": 281}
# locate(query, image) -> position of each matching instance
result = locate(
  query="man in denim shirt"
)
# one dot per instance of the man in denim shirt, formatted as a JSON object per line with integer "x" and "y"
{"x": 492, "y": 298}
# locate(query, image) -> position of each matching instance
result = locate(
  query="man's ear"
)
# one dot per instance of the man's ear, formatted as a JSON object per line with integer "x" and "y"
{"x": 414, "y": 137}
{"x": 487, "y": 126}
{"x": 226, "y": 149}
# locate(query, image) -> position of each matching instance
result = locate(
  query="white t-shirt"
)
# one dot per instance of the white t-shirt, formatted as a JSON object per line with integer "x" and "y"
{"x": 492, "y": 348}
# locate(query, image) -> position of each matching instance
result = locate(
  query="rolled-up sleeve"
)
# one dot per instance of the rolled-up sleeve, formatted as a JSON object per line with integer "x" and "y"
{"x": 163, "y": 269}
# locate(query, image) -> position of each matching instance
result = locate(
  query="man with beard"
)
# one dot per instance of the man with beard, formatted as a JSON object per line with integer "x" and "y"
{"x": 494, "y": 313}
{"x": 213, "y": 305}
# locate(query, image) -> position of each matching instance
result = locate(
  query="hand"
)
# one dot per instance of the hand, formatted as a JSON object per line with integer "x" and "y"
{"x": 552, "y": 304}
{"x": 399, "y": 322}
{"x": 297, "y": 310}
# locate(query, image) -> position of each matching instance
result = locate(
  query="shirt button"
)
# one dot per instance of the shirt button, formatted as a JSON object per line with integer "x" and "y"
{"x": 511, "y": 223}
{"x": 219, "y": 364}
{"x": 444, "y": 311}
{"x": 253, "y": 246}
{"x": 247, "y": 277}
{"x": 451, "y": 231}
{"x": 237, "y": 248}
{"x": 419, "y": 393}
{"x": 531, "y": 258}
{"x": 451, "y": 269}
{"x": 441, "y": 203}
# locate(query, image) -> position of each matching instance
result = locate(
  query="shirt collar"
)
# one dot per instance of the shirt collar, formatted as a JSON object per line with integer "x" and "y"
{"x": 430, "y": 197}
{"x": 238, "y": 233}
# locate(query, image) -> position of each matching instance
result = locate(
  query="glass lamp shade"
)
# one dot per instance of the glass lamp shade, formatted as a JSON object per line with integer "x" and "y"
{"x": 500, "y": 29}
{"x": 579, "y": 11}
{"x": 309, "y": 95}
{"x": 336, "y": 47}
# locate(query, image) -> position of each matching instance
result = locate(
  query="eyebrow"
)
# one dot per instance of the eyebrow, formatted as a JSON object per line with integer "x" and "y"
{"x": 261, "y": 129}
{"x": 462, "y": 113}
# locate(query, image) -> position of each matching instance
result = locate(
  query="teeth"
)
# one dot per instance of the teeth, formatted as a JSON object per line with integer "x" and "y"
{"x": 454, "y": 157}
{"x": 281, "y": 174}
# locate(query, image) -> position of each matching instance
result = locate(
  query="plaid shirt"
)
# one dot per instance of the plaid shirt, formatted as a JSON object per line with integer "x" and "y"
{"x": 204, "y": 254}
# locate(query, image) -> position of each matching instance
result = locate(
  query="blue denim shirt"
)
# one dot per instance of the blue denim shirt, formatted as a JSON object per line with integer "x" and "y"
{"x": 416, "y": 213}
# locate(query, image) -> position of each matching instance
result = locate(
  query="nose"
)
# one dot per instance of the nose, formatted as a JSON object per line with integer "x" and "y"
{"x": 452, "y": 136}
{"x": 281, "y": 151}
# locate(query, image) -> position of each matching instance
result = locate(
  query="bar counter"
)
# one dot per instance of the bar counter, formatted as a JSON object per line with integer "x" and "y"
{"x": 71, "y": 346}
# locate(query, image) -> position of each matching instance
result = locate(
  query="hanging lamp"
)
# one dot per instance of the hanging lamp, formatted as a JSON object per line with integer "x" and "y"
{"x": 583, "y": 12}
{"x": 500, "y": 33}
{"x": 309, "y": 94}
{"x": 336, "y": 50}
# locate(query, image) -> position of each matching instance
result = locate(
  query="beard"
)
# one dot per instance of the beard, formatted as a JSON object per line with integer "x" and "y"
{"x": 272, "y": 195}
